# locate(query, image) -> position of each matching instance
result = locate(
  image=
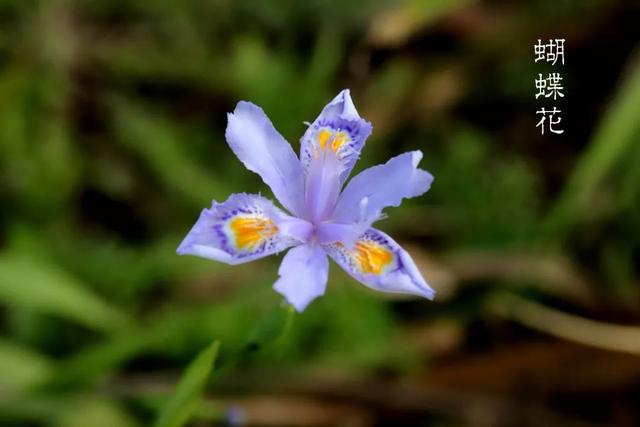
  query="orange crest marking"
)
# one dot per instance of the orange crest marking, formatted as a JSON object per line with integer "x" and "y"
{"x": 372, "y": 257}
{"x": 337, "y": 139}
{"x": 251, "y": 230}
{"x": 323, "y": 136}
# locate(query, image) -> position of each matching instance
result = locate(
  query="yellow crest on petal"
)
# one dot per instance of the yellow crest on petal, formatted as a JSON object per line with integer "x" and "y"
{"x": 338, "y": 140}
{"x": 323, "y": 136}
{"x": 372, "y": 257}
{"x": 334, "y": 140}
{"x": 250, "y": 230}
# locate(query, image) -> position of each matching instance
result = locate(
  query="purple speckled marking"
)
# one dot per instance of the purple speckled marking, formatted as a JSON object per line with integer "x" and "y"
{"x": 223, "y": 240}
{"x": 348, "y": 153}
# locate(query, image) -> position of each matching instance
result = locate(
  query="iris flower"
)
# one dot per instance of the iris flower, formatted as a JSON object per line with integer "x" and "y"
{"x": 322, "y": 219}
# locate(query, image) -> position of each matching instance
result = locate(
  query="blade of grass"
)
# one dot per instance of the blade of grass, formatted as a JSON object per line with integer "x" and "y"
{"x": 177, "y": 411}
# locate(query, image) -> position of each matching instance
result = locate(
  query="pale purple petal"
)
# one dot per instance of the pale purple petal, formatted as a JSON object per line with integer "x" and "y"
{"x": 322, "y": 186}
{"x": 303, "y": 275}
{"x": 381, "y": 186}
{"x": 297, "y": 228}
{"x": 378, "y": 262}
{"x": 347, "y": 234}
{"x": 264, "y": 151}
{"x": 242, "y": 228}
{"x": 339, "y": 129}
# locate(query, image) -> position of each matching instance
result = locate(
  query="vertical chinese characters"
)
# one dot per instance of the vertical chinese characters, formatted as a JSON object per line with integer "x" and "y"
{"x": 551, "y": 85}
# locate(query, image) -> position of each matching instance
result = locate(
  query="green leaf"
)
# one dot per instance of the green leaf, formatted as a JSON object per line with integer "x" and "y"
{"x": 184, "y": 400}
{"x": 34, "y": 284}
{"x": 21, "y": 367}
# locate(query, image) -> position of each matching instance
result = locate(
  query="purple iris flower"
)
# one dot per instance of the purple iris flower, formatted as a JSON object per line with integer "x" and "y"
{"x": 321, "y": 219}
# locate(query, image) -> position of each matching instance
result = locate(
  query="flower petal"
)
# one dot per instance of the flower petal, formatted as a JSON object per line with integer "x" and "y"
{"x": 264, "y": 151}
{"x": 381, "y": 264}
{"x": 303, "y": 275}
{"x": 347, "y": 234}
{"x": 339, "y": 129}
{"x": 243, "y": 228}
{"x": 322, "y": 186}
{"x": 380, "y": 186}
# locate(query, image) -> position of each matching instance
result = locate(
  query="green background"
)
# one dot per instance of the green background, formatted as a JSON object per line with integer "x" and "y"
{"x": 112, "y": 118}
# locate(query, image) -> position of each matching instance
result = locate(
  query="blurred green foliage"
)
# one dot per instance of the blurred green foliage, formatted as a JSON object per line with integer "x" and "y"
{"x": 112, "y": 117}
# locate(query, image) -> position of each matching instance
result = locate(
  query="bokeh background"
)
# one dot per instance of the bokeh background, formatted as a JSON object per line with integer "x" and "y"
{"x": 112, "y": 118}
